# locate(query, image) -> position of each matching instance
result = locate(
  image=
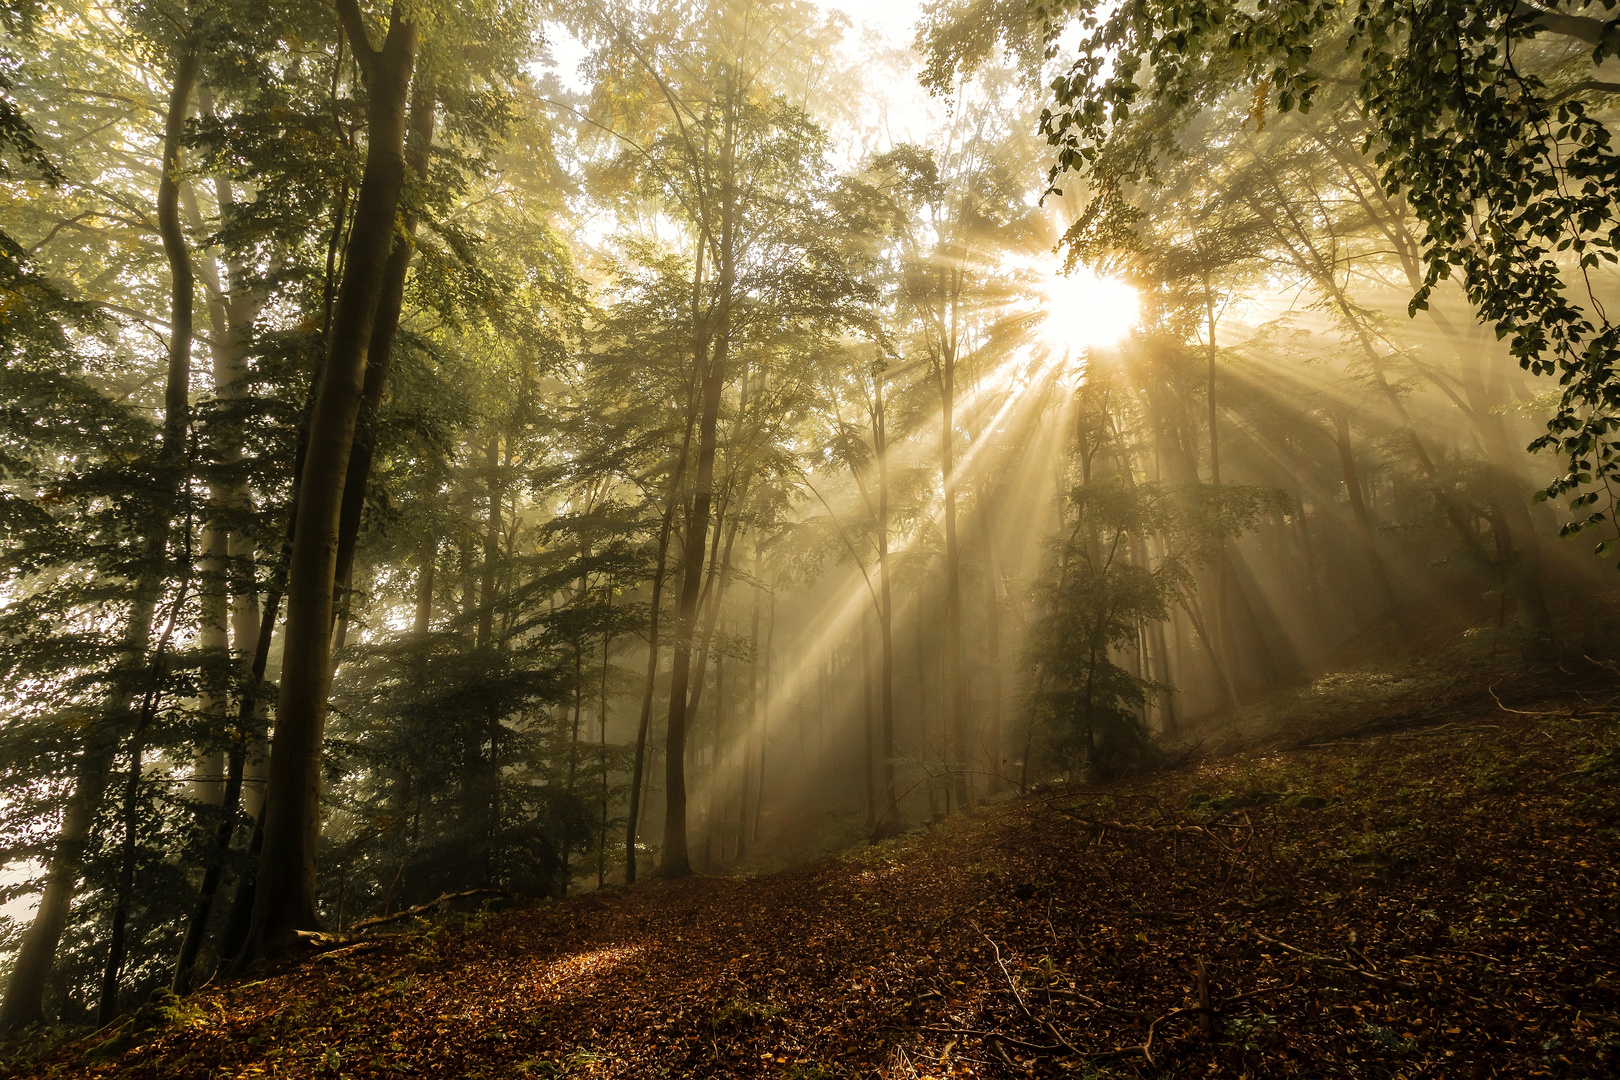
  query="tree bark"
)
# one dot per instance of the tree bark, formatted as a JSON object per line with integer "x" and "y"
{"x": 764, "y": 718}
{"x": 284, "y": 901}
{"x": 677, "y": 477}
{"x": 955, "y": 676}
{"x": 880, "y": 446}
{"x": 868, "y": 726}
{"x": 492, "y": 549}
{"x": 380, "y": 351}
{"x": 676, "y": 861}
{"x": 23, "y": 1002}
{"x": 992, "y": 643}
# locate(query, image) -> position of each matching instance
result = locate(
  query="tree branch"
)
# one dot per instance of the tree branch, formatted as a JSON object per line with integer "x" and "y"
{"x": 354, "y": 25}
{"x": 1599, "y": 85}
{"x": 1581, "y": 27}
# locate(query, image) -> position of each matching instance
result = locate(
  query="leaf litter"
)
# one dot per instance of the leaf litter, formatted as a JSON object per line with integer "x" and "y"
{"x": 1419, "y": 903}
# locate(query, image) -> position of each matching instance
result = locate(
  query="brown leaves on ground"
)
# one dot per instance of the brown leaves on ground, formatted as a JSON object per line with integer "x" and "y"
{"x": 1449, "y": 911}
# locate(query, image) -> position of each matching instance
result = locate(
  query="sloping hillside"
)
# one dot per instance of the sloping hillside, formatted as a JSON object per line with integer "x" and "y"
{"x": 1434, "y": 901}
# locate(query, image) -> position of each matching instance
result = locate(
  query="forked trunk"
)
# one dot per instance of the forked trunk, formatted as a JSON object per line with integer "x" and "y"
{"x": 284, "y": 901}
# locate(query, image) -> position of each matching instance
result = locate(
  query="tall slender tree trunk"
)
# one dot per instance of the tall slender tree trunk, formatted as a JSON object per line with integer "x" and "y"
{"x": 284, "y": 901}
{"x": 379, "y": 354}
{"x": 992, "y": 643}
{"x": 573, "y": 737}
{"x": 427, "y": 566}
{"x": 1214, "y": 412}
{"x": 765, "y": 717}
{"x": 868, "y": 726}
{"x": 228, "y": 571}
{"x": 749, "y": 743}
{"x": 676, "y": 861}
{"x": 124, "y": 894}
{"x": 23, "y": 1002}
{"x": 207, "y": 787}
{"x": 655, "y": 608}
{"x": 601, "y": 763}
{"x": 228, "y": 598}
{"x": 488, "y": 584}
{"x": 639, "y": 763}
{"x": 880, "y": 446}
{"x": 938, "y": 787}
{"x": 955, "y": 679}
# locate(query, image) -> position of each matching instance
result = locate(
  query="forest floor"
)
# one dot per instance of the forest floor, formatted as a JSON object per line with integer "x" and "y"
{"x": 1430, "y": 888}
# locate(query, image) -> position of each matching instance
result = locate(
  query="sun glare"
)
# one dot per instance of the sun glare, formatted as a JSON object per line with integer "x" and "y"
{"x": 1081, "y": 309}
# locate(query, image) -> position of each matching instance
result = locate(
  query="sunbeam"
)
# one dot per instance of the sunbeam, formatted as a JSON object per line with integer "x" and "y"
{"x": 1083, "y": 309}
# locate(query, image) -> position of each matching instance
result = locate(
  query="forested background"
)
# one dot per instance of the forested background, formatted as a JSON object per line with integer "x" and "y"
{"x": 428, "y": 467}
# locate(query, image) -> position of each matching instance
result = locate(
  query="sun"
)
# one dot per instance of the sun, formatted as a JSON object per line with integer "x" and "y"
{"x": 1081, "y": 309}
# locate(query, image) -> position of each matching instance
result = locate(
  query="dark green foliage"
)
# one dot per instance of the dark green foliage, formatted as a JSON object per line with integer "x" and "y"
{"x": 1095, "y": 602}
{"x": 1103, "y": 590}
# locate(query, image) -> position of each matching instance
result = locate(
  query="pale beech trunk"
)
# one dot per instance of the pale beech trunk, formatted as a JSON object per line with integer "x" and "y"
{"x": 23, "y": 1002}
{"x": 868, "y": 726}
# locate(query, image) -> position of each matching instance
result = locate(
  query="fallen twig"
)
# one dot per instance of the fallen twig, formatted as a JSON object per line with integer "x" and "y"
{"x": 1008, "y": 1039}
{"x": 1343, "y": 965}
{"x": 1103, "y": 825}
{"x": 324, "y": 941}
{"x": 1517, "y": 712}
{"x": 366, "y": 924}
{"x": 1012, "y": 984}
{"x": 349, "y": 950}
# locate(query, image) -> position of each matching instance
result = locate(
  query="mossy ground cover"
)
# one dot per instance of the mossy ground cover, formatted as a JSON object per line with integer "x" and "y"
{"x": 1438, "y": 899}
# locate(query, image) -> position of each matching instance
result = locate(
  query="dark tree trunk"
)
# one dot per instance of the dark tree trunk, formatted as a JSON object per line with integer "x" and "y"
{"x": 284, "y": 900}
{"x": 639, "y": 764}
{"x": 956, "y": 705}
{"x": 671, "y": 498}
{"x": 379, "y": 354}
{"x": 868, "y": 727}
{"x": 116, "y": 944}
{"x": 764, "y": 719}
{"x": 992, "y": 644}
{"x": 676, "y": 861}
{"x": 880, "y": 445}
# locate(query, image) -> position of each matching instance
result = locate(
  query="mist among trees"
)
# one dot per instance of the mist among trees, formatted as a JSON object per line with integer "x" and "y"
{"x": 501, "y": 450}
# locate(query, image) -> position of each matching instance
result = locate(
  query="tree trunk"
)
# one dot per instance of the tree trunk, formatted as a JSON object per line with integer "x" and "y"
{"x": 601, "y": 763}
{"x": 880, "y": 446}
{"x": 132, "y": 785}
{"x": 748, "y": 743}
{"x": 492, "y": 549}
{"x": 677, "y": 477}
{"x": 955, "y": 750}
{"x": 379, "y": 354}
{"x": 676, "y": 862}
{"x": 992, "y": 644}
{"x": 868, "y": 726}
{"x": 765, "y": 718}
{"x": 284, "y": 900}
{"x": 642, "y": 724}
{"x": 23, "y": 1002}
